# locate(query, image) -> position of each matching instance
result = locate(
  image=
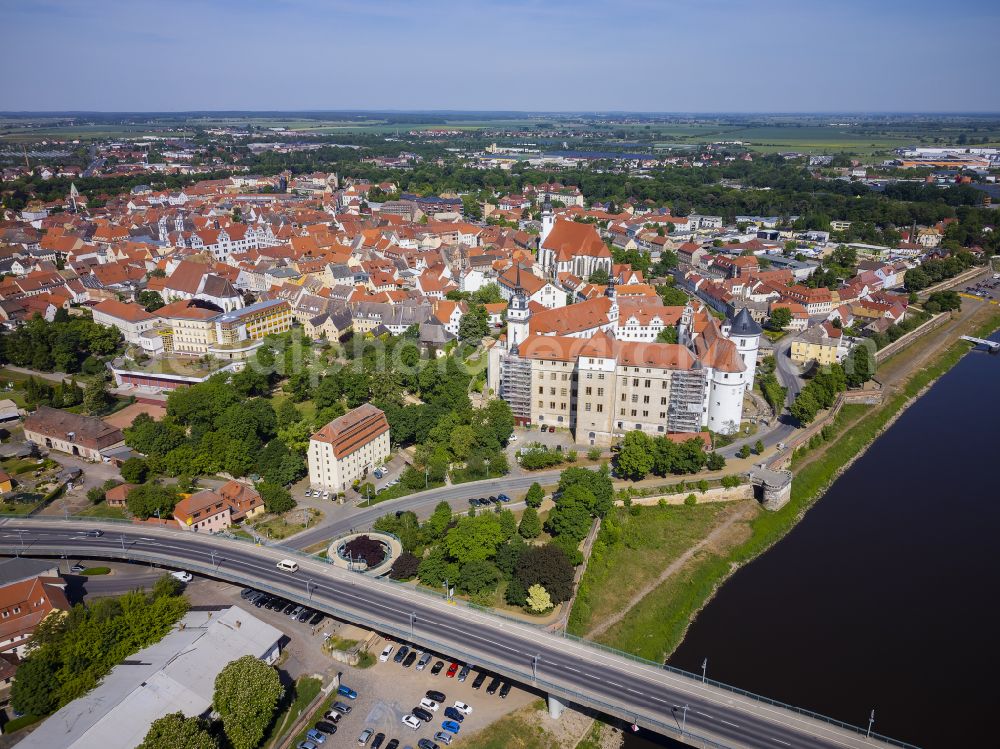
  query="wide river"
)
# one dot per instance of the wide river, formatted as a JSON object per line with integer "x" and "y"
{"x": 887, "y": 595}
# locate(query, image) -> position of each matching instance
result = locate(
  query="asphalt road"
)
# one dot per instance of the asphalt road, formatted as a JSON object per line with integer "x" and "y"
{"x": 422, "y": 503}
{"x": 654, "y": 698}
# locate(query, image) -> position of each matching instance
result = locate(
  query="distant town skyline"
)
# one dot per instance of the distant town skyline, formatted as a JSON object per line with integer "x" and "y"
{"x": 633, "y": 56}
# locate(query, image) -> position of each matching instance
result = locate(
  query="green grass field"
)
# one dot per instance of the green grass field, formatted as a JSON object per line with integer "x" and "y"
{"x": 648, "y": 542}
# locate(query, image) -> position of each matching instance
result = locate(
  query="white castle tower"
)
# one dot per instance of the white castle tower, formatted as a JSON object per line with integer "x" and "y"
{"x": 745, "y": 333}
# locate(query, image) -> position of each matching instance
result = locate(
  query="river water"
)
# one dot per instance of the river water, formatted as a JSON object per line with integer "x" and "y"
{"x": 885, "y": 596}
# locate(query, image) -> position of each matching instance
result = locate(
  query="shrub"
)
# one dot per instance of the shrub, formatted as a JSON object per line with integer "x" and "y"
{"x": 690, "y": 500}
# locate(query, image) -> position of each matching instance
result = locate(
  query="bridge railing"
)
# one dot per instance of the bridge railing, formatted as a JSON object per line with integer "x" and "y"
{"x": 432, "y": 593}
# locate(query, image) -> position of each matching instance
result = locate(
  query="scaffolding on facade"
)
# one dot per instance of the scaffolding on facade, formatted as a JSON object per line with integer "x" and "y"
{"x": 515, "y": 386}
{"x": 687, "y": 398}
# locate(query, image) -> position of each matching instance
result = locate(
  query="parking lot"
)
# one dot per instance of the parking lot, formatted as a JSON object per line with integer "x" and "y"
{"x": 988, "y": 288}
{"x": 388, "y": 691}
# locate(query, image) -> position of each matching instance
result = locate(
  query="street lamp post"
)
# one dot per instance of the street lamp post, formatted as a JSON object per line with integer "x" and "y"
{"x": 310, "y": 587}
{"x": 487, "y": 461}
{"x": 534, "y": 667}
{"x": 704, "y": 668}
{"x": 684, "y": 722}
{"x": 123, "y": 542}
{"x": 871, "y": 721}
{"x": 20, "y": 535}
{"x": 427, "y": 480}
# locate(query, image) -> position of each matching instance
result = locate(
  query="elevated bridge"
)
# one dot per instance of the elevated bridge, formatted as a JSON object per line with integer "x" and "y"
{"x": 662, "y": 700}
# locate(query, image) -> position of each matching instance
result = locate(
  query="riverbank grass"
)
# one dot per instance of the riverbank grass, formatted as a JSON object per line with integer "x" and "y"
{"x": 636, "y": 548}
{"x": 655, "y": 626}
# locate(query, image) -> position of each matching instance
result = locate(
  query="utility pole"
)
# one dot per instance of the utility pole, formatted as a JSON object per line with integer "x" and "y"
{"x": 871, "y": 721}
{"x": 704, "y": 668}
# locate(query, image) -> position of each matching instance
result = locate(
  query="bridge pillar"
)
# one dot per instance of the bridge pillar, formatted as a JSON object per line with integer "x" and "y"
{"x": 556, "y": 707}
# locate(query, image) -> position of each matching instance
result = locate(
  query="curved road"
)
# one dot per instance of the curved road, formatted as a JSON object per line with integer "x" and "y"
{"x": 656, "y": 699}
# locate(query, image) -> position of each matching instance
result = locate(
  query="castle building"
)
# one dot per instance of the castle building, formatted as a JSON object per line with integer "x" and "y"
{"x": 582, "y": 368}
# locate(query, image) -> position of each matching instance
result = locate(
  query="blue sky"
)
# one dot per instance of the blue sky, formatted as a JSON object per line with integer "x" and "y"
{"x": 639, "y": 55}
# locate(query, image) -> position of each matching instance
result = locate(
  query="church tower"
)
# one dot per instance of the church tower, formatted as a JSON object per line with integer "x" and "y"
{"x": 518, "y": 316}
{"x": 73, "y": 195}
{"x": 548, "y": 221}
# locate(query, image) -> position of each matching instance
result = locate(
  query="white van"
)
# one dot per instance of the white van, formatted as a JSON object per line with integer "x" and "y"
{"x": 288, "y": 565}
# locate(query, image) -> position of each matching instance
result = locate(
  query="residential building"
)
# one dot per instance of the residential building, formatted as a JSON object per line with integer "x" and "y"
{"x": 24, "y": 604}
{"x": 347, "y": 448}
{"x": 822, "y": 344}
{"x": 131, "y": 319}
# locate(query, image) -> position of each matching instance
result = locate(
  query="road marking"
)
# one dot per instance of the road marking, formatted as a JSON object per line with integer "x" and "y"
{"x": 728, "y": 723}
{"x": 780, "y": 741}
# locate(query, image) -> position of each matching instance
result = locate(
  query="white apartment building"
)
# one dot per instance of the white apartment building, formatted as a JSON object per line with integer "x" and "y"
{"x": 347, "y": 448}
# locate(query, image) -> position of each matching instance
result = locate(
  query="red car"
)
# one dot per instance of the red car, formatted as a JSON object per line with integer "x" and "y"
{"x": 452, "y": 670}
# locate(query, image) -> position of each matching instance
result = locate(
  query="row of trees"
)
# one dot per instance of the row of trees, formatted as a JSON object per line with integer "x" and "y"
{"x": 639, "y": 455}
{"x": 937, "y": 270}
{"x": 70, "y": 654}
{"x": 820, "y": 392}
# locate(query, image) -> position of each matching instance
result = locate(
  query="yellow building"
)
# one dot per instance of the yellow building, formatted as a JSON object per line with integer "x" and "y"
{"x": 821, "y": 344}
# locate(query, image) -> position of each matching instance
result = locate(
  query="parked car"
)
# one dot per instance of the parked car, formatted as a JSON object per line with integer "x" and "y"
{"x": 346, "y": 691}
{"x": 378, "y": 740}
{"x": 478, "y": 681}
{"x": 318, "y": 736}
{"x": 295, "y": 612}
{"x": 409, "y": 659}
{"x": 425, "y": 658}
{"x": 77, "y": 568}
{"x": 493, "y": 686}
{"x": 505, "y": 690}
{"x": 452, "y": 670}
{"x": 427, "y": 744}
{"x": 453, "y": 714}
{"x": 464, "y": 672}
{"x": 424, "y": 715}
{"x": 433, "y": 694}
{"x": 401, "y": 654}
{"x": 316, "y": 619}
{"x": 326, "y": 727}
{"x": 385, "y": 654}
{"x": 365, "y": 736}
{"x": 342, "y": 707}
{"x": 306, "y": 745}
{"x": 412, "y": 721}
{"x": 393, "y": 743}
{"x": 184, "y": 577}
{"x": 305, "y": 616}
{"x": 503, "y": 497}
{"x": 451, "y": 726}
{"x": 438, "y": 668}
{"x": 244, "y": 594}
{"x": 429, "y": 705}
{"x": 443, "y": 737}
{"x": 463, "y": 708}
{"x": 289, "y": 608}
{"x": 333, "y": 716}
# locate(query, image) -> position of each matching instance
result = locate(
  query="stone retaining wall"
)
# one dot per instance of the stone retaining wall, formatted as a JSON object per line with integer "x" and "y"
{"x": 715, "y": 494}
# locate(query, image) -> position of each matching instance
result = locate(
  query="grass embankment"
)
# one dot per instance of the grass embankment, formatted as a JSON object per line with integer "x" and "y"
{"x": 656, "y": 625}
{"x": 296, "y": 701}
{"x": 103, "y": 511}
{"x": 515, "y": 731}
{"x": 635, "y": 548}
{"x": 95, "y": 571}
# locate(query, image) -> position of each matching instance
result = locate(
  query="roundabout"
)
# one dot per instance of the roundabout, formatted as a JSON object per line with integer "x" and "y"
{"x": 372, "y": 553}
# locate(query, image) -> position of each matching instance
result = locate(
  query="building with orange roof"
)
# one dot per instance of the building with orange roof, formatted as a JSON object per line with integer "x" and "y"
{"x": 23, "y": 606}
{"x": 347, "y": 448}
{"x": 571, "y": 247}
{"x": 574, "y": 368}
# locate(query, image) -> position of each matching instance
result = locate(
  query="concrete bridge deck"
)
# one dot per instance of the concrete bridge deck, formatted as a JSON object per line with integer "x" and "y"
{"x": 667, "y": 702}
